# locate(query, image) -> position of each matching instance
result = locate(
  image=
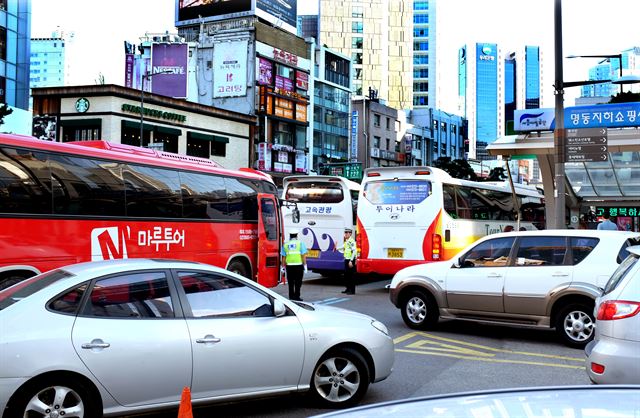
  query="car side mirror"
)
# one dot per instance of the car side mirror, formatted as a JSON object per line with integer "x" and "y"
{"x": 278, "y": 308}
{"x": 456, "y": 263}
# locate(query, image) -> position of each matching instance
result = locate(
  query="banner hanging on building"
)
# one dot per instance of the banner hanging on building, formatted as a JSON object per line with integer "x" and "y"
{"x": 230, "y": 69}
{"x": 169, "y": 69}
{"x": 354, "y": 136}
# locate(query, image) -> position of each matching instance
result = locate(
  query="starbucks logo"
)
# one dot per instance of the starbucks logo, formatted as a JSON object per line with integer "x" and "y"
{"x": 82, "y": 105}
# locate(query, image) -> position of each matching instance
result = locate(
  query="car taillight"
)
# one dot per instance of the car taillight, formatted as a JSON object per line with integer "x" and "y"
{"x": 436, "y": 246}
{"x": 597, "y": 368}
{"x": 617, "y": 309}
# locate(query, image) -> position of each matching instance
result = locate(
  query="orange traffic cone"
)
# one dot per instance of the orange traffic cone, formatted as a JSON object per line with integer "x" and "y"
{"x": 185, "y": 404}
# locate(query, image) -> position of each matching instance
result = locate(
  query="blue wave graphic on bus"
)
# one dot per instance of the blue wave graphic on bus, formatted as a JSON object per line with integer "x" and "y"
{"x": 327, "y": 259}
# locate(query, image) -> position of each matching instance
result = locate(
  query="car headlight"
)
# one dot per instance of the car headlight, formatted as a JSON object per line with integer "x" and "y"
{"x": 380, "y": 327}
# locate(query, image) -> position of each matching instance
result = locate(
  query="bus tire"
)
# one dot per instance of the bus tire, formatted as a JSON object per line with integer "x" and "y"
{"x": 419, "y": 310}
{"x": 12, "y": 278}
{"x": 240, "y": 267}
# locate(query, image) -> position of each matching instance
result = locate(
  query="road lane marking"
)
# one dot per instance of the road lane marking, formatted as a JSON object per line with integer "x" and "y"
{"x": 330, "y": 301}
{"x": 429, "y": 344}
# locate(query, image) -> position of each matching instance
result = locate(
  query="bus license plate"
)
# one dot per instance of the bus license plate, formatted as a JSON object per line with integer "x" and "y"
{"x": 313, "y": 253}
{"x": 395, "y": 252}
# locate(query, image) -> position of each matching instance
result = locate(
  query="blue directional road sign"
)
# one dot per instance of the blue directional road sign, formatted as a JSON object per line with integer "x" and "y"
{"x": 586, "y": 145}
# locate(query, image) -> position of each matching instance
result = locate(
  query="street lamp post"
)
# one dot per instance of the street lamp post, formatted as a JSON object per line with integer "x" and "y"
{"x": 559, "y": 133}
{"x": 618, "y": 56}
{"x": 144, "y": 76}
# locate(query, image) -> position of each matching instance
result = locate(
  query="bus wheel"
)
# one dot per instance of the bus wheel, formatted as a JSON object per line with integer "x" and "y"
{"x": 419, "y": 310}
{"x": 11, "y": 279}
{"x": 239, "y": 267}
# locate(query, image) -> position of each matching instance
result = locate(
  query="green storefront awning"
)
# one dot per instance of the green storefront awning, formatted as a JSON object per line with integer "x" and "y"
{"x": 168, "y": 131}
{"x": 205, "y": 137}
{"x": 70, "y": 123}
{"x": 136, "y": 125}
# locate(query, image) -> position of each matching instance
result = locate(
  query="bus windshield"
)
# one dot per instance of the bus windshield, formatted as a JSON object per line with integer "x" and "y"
{"x": 316, "y": 192}
{"x": 397, "y": 192}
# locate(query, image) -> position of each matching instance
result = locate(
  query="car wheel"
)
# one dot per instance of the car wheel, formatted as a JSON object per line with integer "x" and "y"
{"x": 54, "y": 397}
{"x": 239, "y": 267}
{"x": 576, "y": 325}
{"x": 419, "y": 310}
{"x": 340, "y": 379}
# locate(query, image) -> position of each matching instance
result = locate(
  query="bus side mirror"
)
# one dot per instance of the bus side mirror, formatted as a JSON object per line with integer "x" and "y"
{"x": 295, "y": 215}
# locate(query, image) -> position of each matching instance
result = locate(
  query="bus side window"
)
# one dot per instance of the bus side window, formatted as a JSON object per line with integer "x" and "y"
{"x": 354, "y": 205}
{"x": 463, "y": 201}
{"x": 449, "y": 202}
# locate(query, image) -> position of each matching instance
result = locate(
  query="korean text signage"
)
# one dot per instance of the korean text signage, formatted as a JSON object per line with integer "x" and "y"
{"x": 534, "y": 119}
{"x": 353, "y": 146}
{"x": 169, "y": 66}
{"x": 586, "y": 145}
{"x": 265, "y": 72}
{"x": 617, "y": 115}
{"x": 618, "y": 211}
{"x": 230, "y": 69}
{"x": 154, "y": 113}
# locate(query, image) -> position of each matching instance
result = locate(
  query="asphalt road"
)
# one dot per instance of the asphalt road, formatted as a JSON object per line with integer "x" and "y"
{"x": 455, "y": 357}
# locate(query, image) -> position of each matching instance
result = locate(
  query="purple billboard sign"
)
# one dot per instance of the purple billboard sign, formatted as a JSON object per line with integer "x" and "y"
{"x": 170, "y": 60}
{"x": 128, "y": 71}
{"x": 265, "y": 76}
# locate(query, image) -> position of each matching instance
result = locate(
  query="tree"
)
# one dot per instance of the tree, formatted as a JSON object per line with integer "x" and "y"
{"x": 456, "y": 168}
{"x": 625, "y": 97}
{"x": 5, "y": 110}
{"x": 497, "y": 174}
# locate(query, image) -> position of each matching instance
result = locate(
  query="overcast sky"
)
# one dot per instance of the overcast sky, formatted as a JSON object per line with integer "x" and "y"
{"x": 590, "y": 27}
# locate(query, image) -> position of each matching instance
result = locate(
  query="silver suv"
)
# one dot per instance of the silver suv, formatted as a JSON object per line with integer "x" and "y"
{"x": 529, "y": 278}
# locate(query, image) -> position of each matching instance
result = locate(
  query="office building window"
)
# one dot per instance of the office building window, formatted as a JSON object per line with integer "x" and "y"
{"x": 356, "y": 42}
{"x": 376, "y": 120}
{"x": 357, "y": 11}
{"x": 376, "y": 142}
{"x": 356, "y": 27}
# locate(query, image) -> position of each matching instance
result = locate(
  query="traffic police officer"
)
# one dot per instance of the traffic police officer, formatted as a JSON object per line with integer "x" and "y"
{"x": 294, "y": 257}
{"x": 348, "y": 248}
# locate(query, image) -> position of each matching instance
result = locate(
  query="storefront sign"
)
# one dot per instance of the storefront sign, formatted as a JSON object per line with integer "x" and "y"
{"x": 302, "y": 80}
{"x": 154, "y": 113}
{"x": 353, "y": 146}
{"x": 284, "y": 83}
{"x": 264, "y": 156}
{"x": 286, "y": 57}
{"x": 265, "y": 72}
{"x": 230, "y": 72}
{"x": 301, "y": 162}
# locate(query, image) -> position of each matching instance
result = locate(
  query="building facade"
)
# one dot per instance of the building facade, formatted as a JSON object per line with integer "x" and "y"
{"x": 308, "y": 27}
{"x": 47, "y": 63}
{"x": 112, "y": 113}
{"x": 377, "y": 35}
{"x": 609, "y": 69}
{"x": 332, "y": 117}
{"x": 492, "y": 84}
{"x": 422, "y": 21}
{"x": 247, "y": 65}
{"x": 15, "y": 33}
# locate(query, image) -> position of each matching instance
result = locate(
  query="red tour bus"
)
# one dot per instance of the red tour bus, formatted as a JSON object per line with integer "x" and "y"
{"x": 63, "y": 203}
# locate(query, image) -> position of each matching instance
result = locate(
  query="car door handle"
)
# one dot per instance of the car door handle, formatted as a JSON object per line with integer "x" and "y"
{"x": 560, "y": 275}
{"x": 494, "y": 275}
{"x": 95, "y": 344}
{"x": 208, "y": 339}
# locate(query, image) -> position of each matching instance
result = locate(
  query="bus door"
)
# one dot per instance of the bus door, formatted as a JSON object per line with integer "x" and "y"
{"x": 268, "y": 240}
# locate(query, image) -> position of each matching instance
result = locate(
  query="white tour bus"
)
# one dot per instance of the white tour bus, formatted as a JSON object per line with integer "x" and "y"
{"x": 327, "y": 205}
{"x": 413, "y": 215}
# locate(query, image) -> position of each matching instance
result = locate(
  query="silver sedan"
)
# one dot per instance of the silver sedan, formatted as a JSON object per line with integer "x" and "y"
{"x": 124, "y": 336}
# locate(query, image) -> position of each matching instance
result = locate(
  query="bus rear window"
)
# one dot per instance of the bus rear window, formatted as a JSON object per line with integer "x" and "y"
{"x": 324, "y": 192}
{"x": 401, "y": 192}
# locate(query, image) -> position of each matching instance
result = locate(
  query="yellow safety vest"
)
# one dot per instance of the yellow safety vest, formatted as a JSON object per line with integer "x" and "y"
{"x": 293, "y": 249}
{"x": 349, "y": 245}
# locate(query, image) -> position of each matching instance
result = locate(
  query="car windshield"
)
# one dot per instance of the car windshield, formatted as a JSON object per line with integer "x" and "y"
{"x": 26, "y": 288}
{"x": 620, "y": 272}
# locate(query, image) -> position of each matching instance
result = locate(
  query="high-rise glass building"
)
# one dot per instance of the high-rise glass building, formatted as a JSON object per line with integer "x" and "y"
{"x": 308, "y": 27}
{"x": 421, "y": 18}
{"x": 47, "y": 62}
{"x": 492, "y": 85}
{"x": 15, "y": 36}
{"x": 609, "y": 69}
{"x": 376, "y": 34}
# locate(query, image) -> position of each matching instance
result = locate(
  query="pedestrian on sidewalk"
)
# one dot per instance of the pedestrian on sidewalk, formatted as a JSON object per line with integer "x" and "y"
{"x": 348, "y": 249}
{"x": 294, "y": 258}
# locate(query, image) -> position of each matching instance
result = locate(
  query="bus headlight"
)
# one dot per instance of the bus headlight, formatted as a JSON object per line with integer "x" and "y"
{"x": 380, "y": 326}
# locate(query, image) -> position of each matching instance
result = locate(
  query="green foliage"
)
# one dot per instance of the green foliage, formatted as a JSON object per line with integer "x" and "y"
{"x": 625, "y": 97}
{"x": 497, "y": 174}
{"x": 456, "y": 168}
{"x": 5, "y": 110}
